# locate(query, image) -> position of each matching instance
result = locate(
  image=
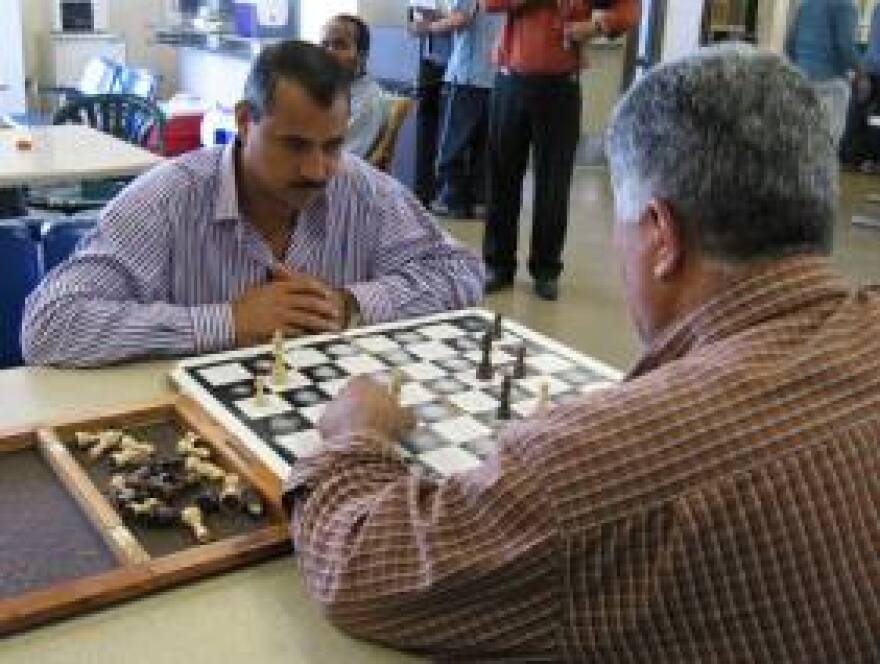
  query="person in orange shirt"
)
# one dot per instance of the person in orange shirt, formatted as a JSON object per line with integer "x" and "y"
{"x": 536, "y": 104}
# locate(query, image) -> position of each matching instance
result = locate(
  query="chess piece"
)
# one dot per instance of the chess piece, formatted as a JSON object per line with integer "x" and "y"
{"x": 260, "y": 391}
{"x": 192, "y": 517}
{"x": 279, "y": 365}
{"x": 497, "y": 328}
{"x": 504, "y": 404}
{"x": 145, "y": 508}
{"x": 543, "y": 404}
{"x": 130, "y": 457}
{"x": 187, "y": 446}
{"x": 396, "y": 384}
{"x": 208, "y": 501}
{"x": 107, "y": 440}
{"x": 253, "y": 505}
{"x": 230, "y": 494}
{"x": 484, "y": 369}
{"x": 85, "y": 439}
{"x": 204, "y": 469}
{"x": 130, "y": 443}
{"x": 519, "y": 369}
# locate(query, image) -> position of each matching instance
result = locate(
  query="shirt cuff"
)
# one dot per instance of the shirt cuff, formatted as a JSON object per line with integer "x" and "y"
{"x": 213, "y": 328}
{"x": 374, "y": 302}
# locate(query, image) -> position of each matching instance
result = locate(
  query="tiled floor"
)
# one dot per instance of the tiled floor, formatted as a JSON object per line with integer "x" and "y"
{"x": 590, "y": 314}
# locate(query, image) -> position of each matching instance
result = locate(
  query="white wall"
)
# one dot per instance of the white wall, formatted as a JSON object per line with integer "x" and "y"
{"x": 682, "y": 30}
{"x": 12, "y": 94}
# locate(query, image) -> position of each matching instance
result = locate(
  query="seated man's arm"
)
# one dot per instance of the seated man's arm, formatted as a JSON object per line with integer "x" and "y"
{"x": 465, "y": 566}
{"x": 109, "y": 302}
{"x": 417, "y": 268}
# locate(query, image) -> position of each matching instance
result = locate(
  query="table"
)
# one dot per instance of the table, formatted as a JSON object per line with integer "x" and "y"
{"x": 68, "y": 153}
{"x": 258, "y": 614}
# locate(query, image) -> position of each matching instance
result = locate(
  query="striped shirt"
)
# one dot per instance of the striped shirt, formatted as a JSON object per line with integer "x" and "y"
{"x": 720, "y": 505}
{"x": 170, "y": 253}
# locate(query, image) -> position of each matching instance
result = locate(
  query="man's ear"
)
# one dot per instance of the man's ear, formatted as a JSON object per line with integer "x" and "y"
{"x": 666, "y": 238}
{"x": 244, "y": 117}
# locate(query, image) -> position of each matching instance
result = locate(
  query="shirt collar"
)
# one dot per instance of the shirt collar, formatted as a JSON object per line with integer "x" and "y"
{"x": 769, "y": 292}
{"x": 226, "y": 206}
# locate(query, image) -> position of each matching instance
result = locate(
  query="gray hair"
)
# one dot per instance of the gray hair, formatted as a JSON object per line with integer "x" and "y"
{"x": 735, "y": 140}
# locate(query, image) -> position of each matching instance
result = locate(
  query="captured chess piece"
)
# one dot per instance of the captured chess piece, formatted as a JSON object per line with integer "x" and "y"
{"x": 107, "y": 440}
{"x": 187, "y": 446}
{"x": 85, "y": 439}
{"x": 504, "y": 403}
{"x": 279, "y": 364}
{"x": 204, "y": 469}
{"x": 519, "y": 368}
{"x": 230, "y": 494}
{"x": 131, "y": 457}
{"x": 484, "y": 368}
{"x": 192, "y": 517}
{"x": 497, "y": 328}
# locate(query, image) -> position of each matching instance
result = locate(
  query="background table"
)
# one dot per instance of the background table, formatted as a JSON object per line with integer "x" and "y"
{"x": 260, "y": 614}
{"x": 68, "y": 153}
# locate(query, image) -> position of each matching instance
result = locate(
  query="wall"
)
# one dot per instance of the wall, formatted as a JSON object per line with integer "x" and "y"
{"x": 133, "y": 20}
{"x": 12, "y": 97}
{"x": 681, "y": 33}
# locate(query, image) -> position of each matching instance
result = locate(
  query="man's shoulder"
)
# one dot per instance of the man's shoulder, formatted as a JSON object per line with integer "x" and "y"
{"x": 359, "y": 179}
{"x": 197, "y": 168}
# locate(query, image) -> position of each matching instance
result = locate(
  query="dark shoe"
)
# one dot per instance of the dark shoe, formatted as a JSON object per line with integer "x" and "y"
{"x": 547, "y": 289}
{"x": 440, "y": 209}
{"x": 496, "y": 281}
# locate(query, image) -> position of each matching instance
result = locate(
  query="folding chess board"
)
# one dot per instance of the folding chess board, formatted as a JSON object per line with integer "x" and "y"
{"x": 437, "y": 358}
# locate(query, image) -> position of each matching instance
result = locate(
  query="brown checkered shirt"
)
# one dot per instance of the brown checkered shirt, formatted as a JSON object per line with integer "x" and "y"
{"x": 720, "y": 505}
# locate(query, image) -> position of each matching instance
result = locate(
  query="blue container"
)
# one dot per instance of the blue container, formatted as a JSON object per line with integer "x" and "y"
{"x": 247, "y": 19}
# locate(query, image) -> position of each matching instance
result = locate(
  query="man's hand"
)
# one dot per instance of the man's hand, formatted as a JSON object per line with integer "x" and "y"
{"x": 580, "y": 32}
{"x": 364, "y": 406}
{"x": 292, "y": 302}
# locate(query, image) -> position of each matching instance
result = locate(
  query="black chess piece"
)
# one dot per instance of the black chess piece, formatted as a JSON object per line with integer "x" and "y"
{"x": 519, "y": 369}
{"x": 484, "y": 368}
{"x": 504, "y": 405}
{"x": 497, "y": 329}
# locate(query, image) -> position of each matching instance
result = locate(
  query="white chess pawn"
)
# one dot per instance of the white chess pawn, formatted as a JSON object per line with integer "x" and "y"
{"x": 192, "y": 517}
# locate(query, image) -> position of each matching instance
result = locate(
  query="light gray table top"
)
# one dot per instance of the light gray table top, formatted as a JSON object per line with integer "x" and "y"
{"x": 68, "y": 153}
{"x": 257, "y": 615}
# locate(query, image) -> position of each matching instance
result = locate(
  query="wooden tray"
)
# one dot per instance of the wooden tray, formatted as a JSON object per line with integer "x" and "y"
{"x": 65, "y": 550}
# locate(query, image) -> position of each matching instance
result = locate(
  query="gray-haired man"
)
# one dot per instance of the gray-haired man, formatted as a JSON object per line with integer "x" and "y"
{"x": 720, "y": 504}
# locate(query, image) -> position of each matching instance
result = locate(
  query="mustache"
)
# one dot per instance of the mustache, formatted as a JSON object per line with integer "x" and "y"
{"x": 310, "y": 184}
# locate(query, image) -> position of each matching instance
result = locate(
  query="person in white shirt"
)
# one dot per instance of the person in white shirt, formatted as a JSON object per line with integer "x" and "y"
{"x": 347, "y": 37}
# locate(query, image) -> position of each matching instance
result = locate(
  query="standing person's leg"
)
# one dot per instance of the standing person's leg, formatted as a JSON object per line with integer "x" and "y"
{"x": 480, "y": 148}
{"x": 556, "y": 116}
{"x": 509, "y": 141}
{"x": 459, "y": 124}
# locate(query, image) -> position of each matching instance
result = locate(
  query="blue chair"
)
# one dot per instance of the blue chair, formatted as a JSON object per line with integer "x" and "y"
{"x": 60, "y": 239}
{"x": 139, "y": 82}
{"x": 20, "y": 257}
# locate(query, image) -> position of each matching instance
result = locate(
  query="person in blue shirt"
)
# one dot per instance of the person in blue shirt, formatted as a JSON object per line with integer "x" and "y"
{"x": 822, "y": 43}
{"x": 860, "y": 148}
{"x": 461, "y": 162}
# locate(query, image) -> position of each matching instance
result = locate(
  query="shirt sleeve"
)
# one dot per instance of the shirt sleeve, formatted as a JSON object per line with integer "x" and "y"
{"x": 464, "y": 566}
{"x": 109, "y": 301}
{"x": 417, "y": 268}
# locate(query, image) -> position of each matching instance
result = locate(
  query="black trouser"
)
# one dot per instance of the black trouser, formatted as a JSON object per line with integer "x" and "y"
{"x": 461, "y": 164}
{"x": 860, "y": 140}
{"x": 526, "y": 111}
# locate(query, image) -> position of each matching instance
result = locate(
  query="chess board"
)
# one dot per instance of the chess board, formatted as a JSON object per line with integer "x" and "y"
{"x": 436, "y": 356}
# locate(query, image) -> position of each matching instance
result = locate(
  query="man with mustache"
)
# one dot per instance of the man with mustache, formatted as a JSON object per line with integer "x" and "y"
{"x": 281, "y": 230}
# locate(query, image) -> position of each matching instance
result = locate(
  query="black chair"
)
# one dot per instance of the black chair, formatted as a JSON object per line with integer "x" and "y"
{"x": 129, "y": 117}
{"x": 20, "y": 256}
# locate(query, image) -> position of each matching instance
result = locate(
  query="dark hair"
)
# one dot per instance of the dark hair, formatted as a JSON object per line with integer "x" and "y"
{"x": 308, "y": 64}
{"x": 361, "y": 29}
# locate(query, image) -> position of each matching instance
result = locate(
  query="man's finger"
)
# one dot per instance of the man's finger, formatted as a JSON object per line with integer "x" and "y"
{"x": 310, "y": 322}
{"x": 312, "y": 304}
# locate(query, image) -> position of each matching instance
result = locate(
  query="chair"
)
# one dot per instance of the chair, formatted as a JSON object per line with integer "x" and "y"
{"x": 139, "y": 82}
{"x": 20, "y": 256}
{"x": 128, "y": 117}
{"x": 383, "y": 152}
{"x": 60, "y": 238}
{"x": 99, "y": 77}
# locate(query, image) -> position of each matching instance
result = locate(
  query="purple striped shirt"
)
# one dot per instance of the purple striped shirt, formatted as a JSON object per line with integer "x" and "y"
{"x": 170, "y": 253}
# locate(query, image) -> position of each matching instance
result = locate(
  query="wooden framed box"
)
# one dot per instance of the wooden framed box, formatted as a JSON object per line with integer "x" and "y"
{"x": 64, "y": 547}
